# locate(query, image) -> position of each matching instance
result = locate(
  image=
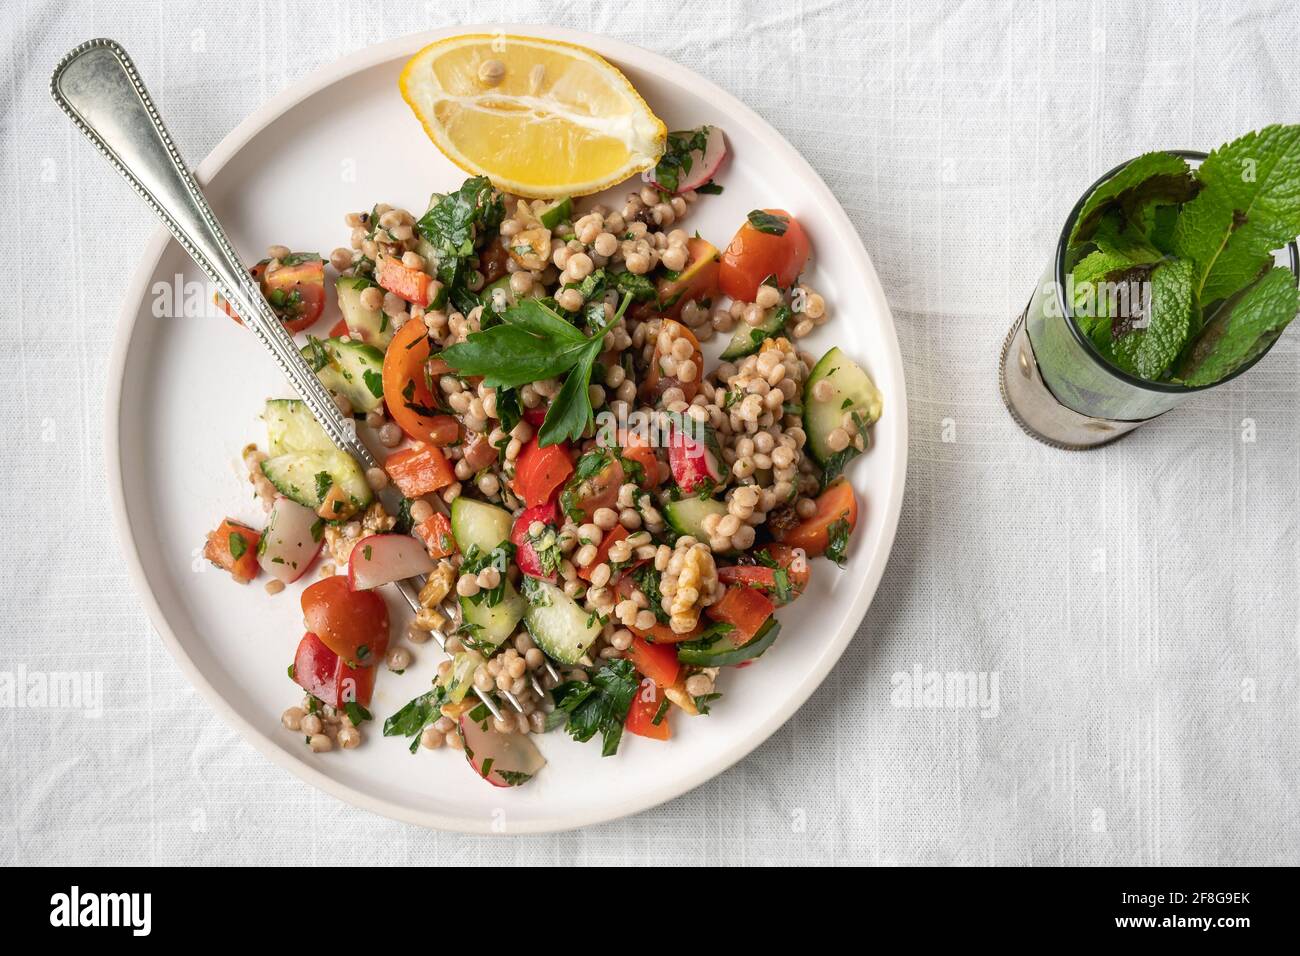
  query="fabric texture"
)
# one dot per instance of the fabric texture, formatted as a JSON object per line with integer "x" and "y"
{"x": 1134, "y": 607}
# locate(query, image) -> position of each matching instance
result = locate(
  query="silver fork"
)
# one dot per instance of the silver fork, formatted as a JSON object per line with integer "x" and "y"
{"x": 97, "y": 85}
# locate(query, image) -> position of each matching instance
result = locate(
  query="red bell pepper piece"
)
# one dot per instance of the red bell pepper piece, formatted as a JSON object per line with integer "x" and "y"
{"x": 419, "y": 471}
{"x": 435, "y": 532}
{"x": 645, "y": 707}
{"x": 410, "y": 284}
{"x": 745, "y": 609}
{"x": 222, "y": 547}
{"x": 656, "y": 661}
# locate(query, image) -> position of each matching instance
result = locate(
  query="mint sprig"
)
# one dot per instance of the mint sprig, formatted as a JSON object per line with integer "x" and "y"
{"x": 1202, "y": 243}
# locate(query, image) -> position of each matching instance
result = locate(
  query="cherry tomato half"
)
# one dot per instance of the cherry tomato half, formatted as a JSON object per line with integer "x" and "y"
{"x": 755, "y": 254}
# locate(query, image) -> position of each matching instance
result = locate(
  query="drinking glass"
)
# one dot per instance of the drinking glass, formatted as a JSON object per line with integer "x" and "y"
{"x": 1055, "y": 383}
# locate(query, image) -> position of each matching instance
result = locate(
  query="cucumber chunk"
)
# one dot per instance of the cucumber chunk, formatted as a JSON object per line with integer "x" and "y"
{"x": 492, "y": 625}
{"x": 307, "y": 477}
{"x": 368, "y": 325}
{"x": 477, "y": 523}
{"x": 720, "y": 652}
{"x": 559, "y": 625}
{"x": 747, "y": 339}
{"x": 686, "y": 515}
{"x": 349, "y": 368}
{"x": 290, "y": 427}
{"x": 852, "y": 391}
{"x": 557, "y": 212}
{"x": 460, "y": 678}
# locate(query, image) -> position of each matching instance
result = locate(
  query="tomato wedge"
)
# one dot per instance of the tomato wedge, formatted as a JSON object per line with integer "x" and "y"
{"x": 637, "y": 449}
{"x": 745, "y": 609}
{"x": 791, "y": 560}
{"x": 645, "y": 707}
{"x": 836, "y": 503}
{"x": 435, "y": 532}
{"x": 539, "y": 471}
{"x": 419, "y": 471}
{"x": 585, "y": 496}
{"x": 699, "y": 280}
{"x": 754, "y": 254}
{"x": 324, "y": 675}
{"x": 656, "y": 383}
{"x": 353, "y": 624}
{"x": 408, "y": 392}
{"x": 656, "y": 661}
{"x": 296, "y": 291}
{"x": 617, "y": 533}
{"x": 526, "y": 556}
{"x": 233, "y": 547}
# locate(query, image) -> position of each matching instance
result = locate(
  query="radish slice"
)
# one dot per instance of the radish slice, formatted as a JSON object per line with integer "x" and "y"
{"x": 503, "y": 760}
{"x": 383, "y": 558}
{"x": 705, "y": 165}
{"x": 291, "y": 541}
{"x": 694, "y": 460}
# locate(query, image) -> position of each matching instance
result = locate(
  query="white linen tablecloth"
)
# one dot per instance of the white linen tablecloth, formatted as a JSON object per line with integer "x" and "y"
{"x": 1137, "y": 605}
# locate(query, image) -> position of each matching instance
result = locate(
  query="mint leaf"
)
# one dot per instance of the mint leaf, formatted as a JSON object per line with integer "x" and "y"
{"x": 1149, "y": 179}
{"x": 1104, "y": 283}
{"x": 1150, "y": 351}
{"x": 764, "y": 221}
{"x": 1241, "y": 328}
{"x": 1249, "y": 206}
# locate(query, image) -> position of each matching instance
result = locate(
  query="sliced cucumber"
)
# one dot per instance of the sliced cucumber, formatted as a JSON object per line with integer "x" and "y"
{"x": 457, "y": 681}
{"x": 492, "y": 625}
{"x": 747, "y": 338}
{"x": 368, "y": 325}
{"x": 720, "y": 652}
{"x": 349, "y": 368}
{"x": 307, "y": 477}
{"x": 852, "y": 392}
{"x": 290, "y": 427}
{"x": 686, "y": 515}
{"x": 477, "y": 523}
{"x": 559, "y": 625}
{"x": 557, "y": 212}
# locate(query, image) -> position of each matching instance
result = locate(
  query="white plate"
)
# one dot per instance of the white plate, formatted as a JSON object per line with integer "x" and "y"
{"x": 187, "y": 393}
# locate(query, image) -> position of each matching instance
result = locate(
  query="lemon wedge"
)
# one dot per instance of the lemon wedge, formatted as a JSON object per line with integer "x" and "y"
{"x": 540, "y": 118}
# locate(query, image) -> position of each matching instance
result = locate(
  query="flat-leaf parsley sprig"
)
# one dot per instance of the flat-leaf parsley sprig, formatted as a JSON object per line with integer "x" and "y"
{"x": 534, "y": 342}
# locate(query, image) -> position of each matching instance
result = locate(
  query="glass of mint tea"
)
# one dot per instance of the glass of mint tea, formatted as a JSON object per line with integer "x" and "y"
{"x": 1175, "y": 273}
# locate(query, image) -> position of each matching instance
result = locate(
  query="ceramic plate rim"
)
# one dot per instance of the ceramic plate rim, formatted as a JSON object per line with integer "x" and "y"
{"x": 230, "y": 145}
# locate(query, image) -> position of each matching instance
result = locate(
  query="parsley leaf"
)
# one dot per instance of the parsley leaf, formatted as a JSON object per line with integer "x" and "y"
{"x": 238, "y": 546}
{"x": 411, "y": 720}
{"x": 600, "y": 705}
{"x": 677, "y": 160}
{"x": 837, "y": 549}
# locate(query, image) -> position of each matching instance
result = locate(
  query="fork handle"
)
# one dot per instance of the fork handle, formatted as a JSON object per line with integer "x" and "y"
{"x": 97, "y": 85}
